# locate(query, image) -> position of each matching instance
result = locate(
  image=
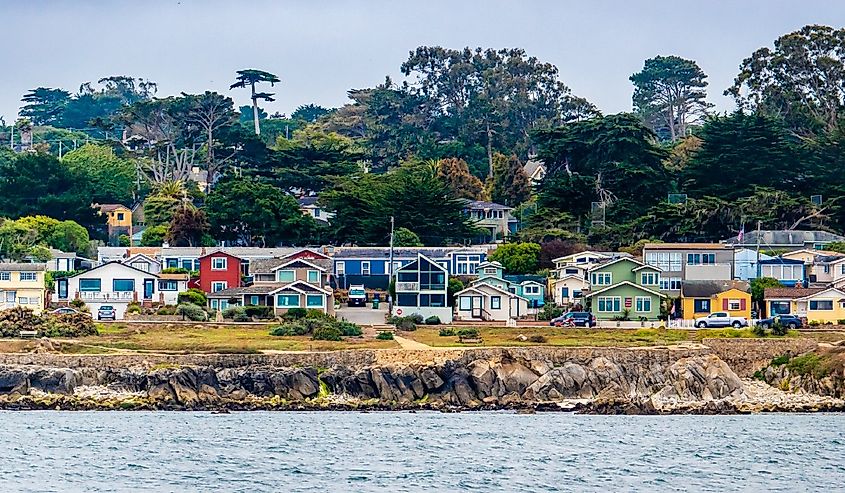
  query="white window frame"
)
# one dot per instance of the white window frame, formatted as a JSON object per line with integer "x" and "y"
{"x": 217, "y": 284}
{"x": 734, "y": 305}
{"x": 7, "y": 276}
{"x": 602, "y": 278}
{"x": 640, "y": 302}
{"x": 340, "y": 268}
{"x": 308, "y": 276}
{"x": 365, "y": 272}
{"x": 23, "y": 300}
{"x": 279, "y": 275}
{"x": 224, "y": 260}
{"x": 31, "y": 277}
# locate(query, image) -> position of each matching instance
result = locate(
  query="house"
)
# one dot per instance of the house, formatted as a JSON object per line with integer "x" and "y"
{"x": 814, "y": 304}
{"x": 144, "y": 262}
{"x": 489, "y": 302}
{"x": 113, "y": 284}
{"x": 701, "y": 298}
{"x": 785, "y": 240}
{"x": 118, "y": 220}
{"x": 745, "y": 263}
{"x": 308, "y": 205}
{"x": 535, "y": 170}
{"x": 421, "y": 288}
{"x": 585, "y": 260}
{"x": 370, "y": 266}
{"x": 23, "y": 285}
{"x": 170, "y": 285}
{"x": 495, "y": 219}
{"x": 569, "y": 289}
{"x": 65, "y": 261}
{"x": 219, "y": 271}
{"x": 788, "y": 272}
{"x": 188, "y": 257}
{"x": 825, "y": 267}
{"x": 531, "y": 288}
{"x": 680, "y": 262}
{"x": 625, "y": 288}
{"x": 107, "y": 254}
{"x": 300, "y": 280}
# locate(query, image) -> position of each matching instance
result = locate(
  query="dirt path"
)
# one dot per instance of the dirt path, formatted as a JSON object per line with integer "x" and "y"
{"x": 411, "y": 344}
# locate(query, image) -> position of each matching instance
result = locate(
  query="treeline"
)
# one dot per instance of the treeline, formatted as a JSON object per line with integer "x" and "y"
{"x": 459, "y": 126}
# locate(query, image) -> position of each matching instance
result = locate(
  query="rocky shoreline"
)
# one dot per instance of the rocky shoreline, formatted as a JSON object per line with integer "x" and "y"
{"x": 586, "y": 380}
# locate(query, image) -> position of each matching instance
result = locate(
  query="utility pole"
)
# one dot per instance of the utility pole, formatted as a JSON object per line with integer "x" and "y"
{"x": 60, "y": 150}
{"x": 390, "y": 271}
{"x": 759, "y": 267}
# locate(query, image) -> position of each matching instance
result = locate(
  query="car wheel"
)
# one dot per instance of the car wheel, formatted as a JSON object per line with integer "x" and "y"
{"x": 737, "y": 325}
{"x": 792, "y": 326}
{"x": 701, "y": 325}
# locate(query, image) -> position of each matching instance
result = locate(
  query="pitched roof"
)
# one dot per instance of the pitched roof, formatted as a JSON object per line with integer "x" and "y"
{"x": 482, "y": 204}
{"x": 310, "y": 200}
{"x": 825, "y": 290}
{"x": 22, "y": 267}
{"x": 121, "y": 264}
{"x": 626, "y": 283}
{"x": 402, "y": 252}
{"x": 786, "y": 238}
{"x": 174, "y": 277}
{"x": 685, "y": 246}
{"x": 790, "y": 293}
{"x": 532, "y": 165}
{"x": 606, "y": 263}
{"x": 706, "y": 289}
{"x": 111, "y": 207}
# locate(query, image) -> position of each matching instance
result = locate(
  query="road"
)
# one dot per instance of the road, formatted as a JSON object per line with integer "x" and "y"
{"x": 363, "y": 315}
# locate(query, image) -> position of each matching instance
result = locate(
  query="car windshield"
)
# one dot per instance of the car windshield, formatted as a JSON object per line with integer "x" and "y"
{"x": 567, "y": 315}
{"x": 106, "y": 307}
{"x": 356, "y": 292}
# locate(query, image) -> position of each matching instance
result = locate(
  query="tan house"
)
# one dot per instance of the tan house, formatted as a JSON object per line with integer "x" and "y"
{"x": 22, "y": 285}
{"x": 118, "y": 219}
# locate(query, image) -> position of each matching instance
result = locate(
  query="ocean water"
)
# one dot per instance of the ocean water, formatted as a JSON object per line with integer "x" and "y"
{"x": 427, "y": 451}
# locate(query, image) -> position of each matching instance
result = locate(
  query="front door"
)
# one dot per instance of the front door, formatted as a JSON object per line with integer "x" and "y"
{"x": 148, "y": 289}
{"x": 476, "y": 306}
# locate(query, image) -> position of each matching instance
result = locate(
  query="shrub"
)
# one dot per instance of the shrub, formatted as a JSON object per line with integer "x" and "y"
{"x": 780, "y": 360}
{"x": 814, "y": 323}
{"x": 404, "y": 323}
{"x": 536, "y": 338}
{"x": 194, "y": 296}
{"x": 192, "y": 312}
{"x": 69, "y": 325}
{"x": 447, "y": 332}
{"x": 348, "y": 329}
{"x": 14, "y": 320}
{"x": 166, "y": 310}
{"x": 468, "y": 333}
{"x": 233, "y": 312}
{"x": 295, "y": 314}
{"x": 416, "y": 318}
{"x": 327, "y": 333}
{"x": 778, "y": 329}
{"x": 385, "y": 336}
{"x": 175, "y": 270}
{"x": 314, "y": 313}
{"x": 809, "y": 364}
{"x": 77, "y": 303}
{"x": 259, "y": 311}
{"x": 433, "y": 320}
{"x": 840, "y": 322}
{"x": 549, "y": 312}
{"x": 290, "y": 329}
{"x": 133, "y": 307}
{"x": 759, "y": 331}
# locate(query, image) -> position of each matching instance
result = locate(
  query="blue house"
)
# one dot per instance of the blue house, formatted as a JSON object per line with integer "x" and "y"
{"x": 421, "y": 288}
{"x": 532, "y": 288}
{"x": 370, "y": 266}
{"x": 789, "y": 272}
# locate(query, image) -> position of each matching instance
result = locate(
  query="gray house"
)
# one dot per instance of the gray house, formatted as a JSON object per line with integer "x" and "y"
{"x": 681, "y": 262}
{"x": 785, "y": 240}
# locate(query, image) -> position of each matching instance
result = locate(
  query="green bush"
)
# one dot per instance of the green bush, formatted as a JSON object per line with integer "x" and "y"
{"x": 814, "y": 323}
{"x": 77, "y": 303}
{"x": 194, "y": 296}
{"x": 408, "y": 324}
{"x": 758, "y": 331}
{"x": 296, "y": 328}
{"x": 385, "y": 336}
{"x": 259, "y": 311}
{"x": 809, "y": 364}
{"x": 432, "y": 320}
{"x": 468, "y": 333}
{"x": 295, "y": 314}
{"x": 537, "y": 338}
{"x": 233, "y": 311}
{"x": 549, "y": 311}
{"x": 175, "y": 270}
{"x": 348, "y": 329}
{"x": 314, "y": 313}
{"x": 166, "y": 310}
{"x": 192, "y": 312}
{"x": 447, "y": 332}
{"x": 840, "y": 322}
{"x": 69, "y": 325}
{"x": 14, "y": 320}
{"x": 133, "y": 307}
{"x": 778, "y": 329}
{"x": 780, "y": 360}
{"x": 327, "y": 333}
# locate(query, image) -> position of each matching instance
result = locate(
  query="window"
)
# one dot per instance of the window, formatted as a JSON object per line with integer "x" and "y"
{"x": 675, "y": 261}
{"x": 701, "y": 258}
{"x": 650, "y": 278}
{"x": 218, "y": 286}
{"x": 219, "y": 263}
{"x": 10, "y": 296}
{"x": 564, "y": 293}
{"x": 316, "y": 212}
{"x": 224, "y": 304}
{"x": 314, "y": 276}
{"x": 89, "y": 285}
{"x": 144, "y": 266}
{"x": 34, "y": 300}
{"x": 693, "y": 258}
{"x": 214, "y": 304}
{"x": 642, "y": 304}
{"x": 23, "y": 300}
{"x": 123, "y": 285}
{"x": 168, "y": 285}
{"x": 436, "y": 300}
{"x": 253, "y": 300}
{"x": 120, "y": 216}
{"x": 490, "y": 270}
{"x": 495, "y": 302}
{"x": 365, "y": 268}
{"x": 532, "y": 289}
{"x": 570, "y": 271}
{"x": 701, "y": 306}
{"x": 286, "y": 276}
{"x": 29, "y": 276}
{"x": 406, "y": 299}
{"x": 340, "y": 267}
{"x": 609, "y": 304}
{"x": 465, "y": 303}
{"x": 313, "y": 300}
{"x": 602, "y": 278}
{"x": 171, "y": 263}
{"x": 779, "y": 307}
{"x": 6, "y": 276}
{"x": 188, "y": 264}
{"x": 467, "y": 264}
{"x": 827, "y": 269}
{"x": 287, "y": 300}
{"x": 734, "y": 305}
{"x": 670, "y": 283}
{"x": 821, "y": 305}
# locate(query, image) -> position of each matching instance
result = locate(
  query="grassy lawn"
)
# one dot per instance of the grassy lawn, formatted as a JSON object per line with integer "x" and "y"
{"x": 558, "y": 336}
{"x": 197, "y": 339}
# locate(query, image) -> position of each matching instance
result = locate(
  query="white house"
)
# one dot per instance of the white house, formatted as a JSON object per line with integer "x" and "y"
{"x": 421, "y": 287}
{"x": 169, "y": 287}
{"x": 487, "y": 302}
{"x": 112, "y": 284}
{"x": 745, "y": 263}
{"x": 569, "y": 288}
{"x": 144, "y": 263}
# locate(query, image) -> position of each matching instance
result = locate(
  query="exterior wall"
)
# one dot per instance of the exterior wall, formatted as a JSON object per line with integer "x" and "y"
{"x": 572, "y": 285}
{"x": 717, "y": 304}
{"x": 33, "y": 292}
{"x": 145, "y": 265}
{"x": 626, "y": 293}
{"x": 787, "y": 274}
{"x": 535, "y": 300}
{"x": 172, "y": 297}
{"x": 509, "y": 306}
{"x": 444, "y": 313}
{"x": 717, "y": 272}
{"x": 231, "y": 275}
{"x": 745, "y": 263}
{"x": 621, "y": 271}
{"x": 107, "y": 273}
{"x": 678, "y": 265}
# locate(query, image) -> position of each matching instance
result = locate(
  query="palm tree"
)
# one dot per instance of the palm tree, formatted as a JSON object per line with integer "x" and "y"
{"x": 250, "y": 77}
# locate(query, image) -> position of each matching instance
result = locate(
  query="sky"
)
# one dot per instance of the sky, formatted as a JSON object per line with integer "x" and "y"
{"x": 321, "y": 49}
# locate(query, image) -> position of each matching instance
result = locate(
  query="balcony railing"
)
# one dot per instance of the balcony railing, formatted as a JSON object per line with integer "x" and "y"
{"x": 407, "y": 286}
{"x": 107, "y": 296}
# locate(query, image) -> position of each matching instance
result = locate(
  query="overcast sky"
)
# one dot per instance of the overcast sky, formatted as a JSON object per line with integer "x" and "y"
{"x": 320, "y": 49}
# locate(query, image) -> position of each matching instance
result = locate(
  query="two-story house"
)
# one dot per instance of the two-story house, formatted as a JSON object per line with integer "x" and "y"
{"x": 789, "y": 272}
{"x": 301, "y": 280}
{"x": 568, "y": 281}
{"x": 531, "y": 288}
{"x": 495, "y": 219}
{"x": 309, "y": 206}
{"x": 118, "y": 221}
{"x": 421, "y": 288}
{"x": 144, "y": 262}
{"x": 745, "y": 263}
{"x": 625, "y": 288}
{"x": 219, "y": 271}
{"x": 680, "y": 262}
{"x": 22, "y": 285}
{"x": 112, "y": 284}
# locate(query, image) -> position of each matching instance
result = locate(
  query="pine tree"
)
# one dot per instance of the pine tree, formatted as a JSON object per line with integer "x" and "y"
{"x": 510, "y": 185}
{"x": 455, "y": 173}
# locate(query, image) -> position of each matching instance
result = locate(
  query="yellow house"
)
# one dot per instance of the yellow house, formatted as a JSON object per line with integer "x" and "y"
{"x": 22, "y": 285}
{"x": 701, "y": 298}
{"x": 117, "y": 216}
{"x": 814, "y": 304}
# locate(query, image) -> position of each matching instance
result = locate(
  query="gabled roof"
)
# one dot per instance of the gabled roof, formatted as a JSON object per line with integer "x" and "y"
{"x": 647, "y": 266}
{"x": 707, "y": 289}
{"x": 307, "y": 253}
{"x": 142, "y": 257}
{"x": 22, "y": 267}
{"x": 628, "y": 283}
{"x": 219, "y": 253}
{"x": 111, "y": 207}
{"x": 482, "y": 279}
{"x": 790, "y": 293}
{"x": 484, "y": 205}
{"x": 529, "y": 281}
{"x": 115, "y": 262}
{"x": 569, "y": 276}
{"x": 840, "y": 294}
{"x": 611, "y": 262}
{"x": 532, "y": 166}
{"x": 300, "y": 286}
{"x": 297, "y": 261}
{"x": 490, "y": 264}
{"x": 477, "y": 288}
{"x": 415, "y": 264}
{"x": 586, "y": 252}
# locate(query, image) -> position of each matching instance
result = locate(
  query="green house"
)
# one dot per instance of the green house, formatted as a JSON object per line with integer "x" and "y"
{"x": 625, "y": 287}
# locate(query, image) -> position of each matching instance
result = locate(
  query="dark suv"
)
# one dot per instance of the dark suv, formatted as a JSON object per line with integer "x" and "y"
{"x": 788, "y": 321}
{"x": 579, "y": 319}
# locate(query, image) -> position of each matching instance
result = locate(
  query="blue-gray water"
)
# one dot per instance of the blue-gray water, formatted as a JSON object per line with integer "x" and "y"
{"x": 431, "y": 452}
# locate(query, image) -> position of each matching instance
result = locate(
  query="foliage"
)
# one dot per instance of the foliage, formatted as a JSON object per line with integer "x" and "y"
{"x": 32, "y": 235}
{"x": 384, "y": 336}
{"x": 549, "y": 311}
{"x": 175, "y": 270}
{"x": 14, "y": 320}
{"x": 556, "y": 248}
{"x": 349, "y": 329}
{"x": 537, "y": 338}
{"x": 433, "y": 320}
{"x": 407, "y": 323}
{"x": 447, "y": 332}
{"x": 458, "y": 178}
{"x": 192, "y": 312}
{"x": 759, "y": 285}
{"x": 517, "y": 258}
{"x": 321, "y": 327}
{"x": 112, "y": 179}
{"x": 154, "y": 235}
{"x": 295, "y": 313}
{"x": 404, "y": 237}
{"x": 259, "y": 311}
{"x": 471, "y": 333}
{"x": 188, "y": 227}
{"x": 455, "y": 285}
{"x": 193, "y": 296}
{"x": 809, "y": 364}
{"x": 510, "y": 185}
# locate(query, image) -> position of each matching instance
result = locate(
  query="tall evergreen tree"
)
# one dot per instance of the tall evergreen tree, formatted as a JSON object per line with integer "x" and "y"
{"x": 510, "y": 185}
{"x": 455, "y": 173}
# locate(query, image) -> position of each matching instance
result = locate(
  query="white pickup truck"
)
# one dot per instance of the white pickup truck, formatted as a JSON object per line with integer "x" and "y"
{"x": 720, "y": 319}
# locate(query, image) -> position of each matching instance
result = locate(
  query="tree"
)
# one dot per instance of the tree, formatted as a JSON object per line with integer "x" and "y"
{"x": 801, "y": 80}
{"x": 44, "y": 105}
{"x": 455, "y": 173}
{"x": 517, "y": 258}
{"x": 404, "y": 237}
{"x": 160, "y": 209}
{"x": 309, "y": 113}
{"x": 209, "y": 112}
{"x": 16, "y": 240}
{"x": 68, "y": 236}
{"x": 154, "y": 235}
{"x": 758, "y": 288}
{"x": 250, "y": 77}
{"x": 113, "y": 179}
{"x": 455, "y": 286}
{"x": 188, "y": 227}
{"x": 510, "y": 185}
{"x": 553, "y": 249}
{"x": 248, "y": 212}
{"x": 669, "y": 94}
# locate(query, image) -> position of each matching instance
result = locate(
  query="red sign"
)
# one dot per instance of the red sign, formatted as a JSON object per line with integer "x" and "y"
{"x": 399, "y": 311}
{"x": 629, "y": 302}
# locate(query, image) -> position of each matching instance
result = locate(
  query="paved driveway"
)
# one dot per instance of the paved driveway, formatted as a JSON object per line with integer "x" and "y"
{"x": 363, "y": 315}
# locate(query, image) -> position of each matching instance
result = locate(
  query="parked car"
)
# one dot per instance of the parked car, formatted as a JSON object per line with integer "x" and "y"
{"x": 721, "y": 319}
{"x": 106, "y": 312}
{"x": 65, "y": 310}
{"x": 357, "y": 296}
{"x": 574, "y": 319}
{"x": 789, "y": 321}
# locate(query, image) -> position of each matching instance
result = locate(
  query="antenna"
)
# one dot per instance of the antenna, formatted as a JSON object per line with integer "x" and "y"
{"x": 597, "y": 214}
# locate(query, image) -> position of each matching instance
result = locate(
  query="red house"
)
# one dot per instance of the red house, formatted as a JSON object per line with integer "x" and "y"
{"x": 219, "y": 271}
